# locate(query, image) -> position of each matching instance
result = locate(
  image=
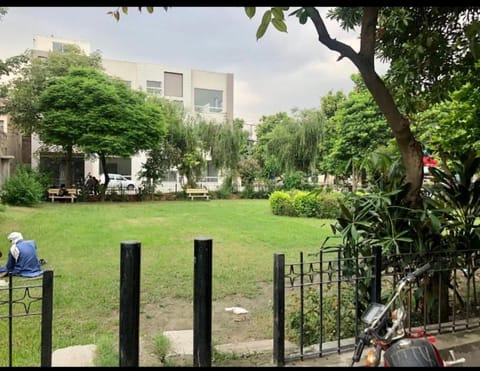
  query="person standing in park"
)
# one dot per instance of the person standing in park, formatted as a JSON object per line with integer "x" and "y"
{"x": 22, "y": 259}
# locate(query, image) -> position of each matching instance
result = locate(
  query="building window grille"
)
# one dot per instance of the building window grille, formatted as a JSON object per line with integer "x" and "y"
{"x": 154, "y": 87}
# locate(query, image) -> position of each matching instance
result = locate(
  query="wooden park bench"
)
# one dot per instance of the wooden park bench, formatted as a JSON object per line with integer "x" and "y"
{"x": 197, "y": 193}
{"x": 53, "y": 194}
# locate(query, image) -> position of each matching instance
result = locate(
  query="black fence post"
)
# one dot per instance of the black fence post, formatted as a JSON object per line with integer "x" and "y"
{"x": 10, "y": 319}
{"x": 129, "y": 303}
{"x": 279, "y": 309}
{"x": 376, "y": 285}
{"x": 202, "y": 302}
{"x": 47, "y": 317}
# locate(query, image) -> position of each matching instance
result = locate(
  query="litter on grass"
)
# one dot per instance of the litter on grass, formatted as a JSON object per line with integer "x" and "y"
{"x": 236, "y": 310}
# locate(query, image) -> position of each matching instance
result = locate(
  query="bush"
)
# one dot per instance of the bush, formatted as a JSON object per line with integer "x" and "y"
{"x": 294, "y": 180}
{"x": 329, "y": 205}
{"x": 318, "y": 204}
{"x": 306, "y": 204}
{"x": 312, "y": 313}
{"x": 223, "y": 193}
{"x": 281, "y": 204}
{"x": 25, "y": 188}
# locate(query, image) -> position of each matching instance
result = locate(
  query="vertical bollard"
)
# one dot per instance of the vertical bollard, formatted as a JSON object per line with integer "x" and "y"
{"x": 279, "y": 309}
{"x": 47, "y": 318}
{"x": 129, "y": 303}
{"x": 202, "y": 302}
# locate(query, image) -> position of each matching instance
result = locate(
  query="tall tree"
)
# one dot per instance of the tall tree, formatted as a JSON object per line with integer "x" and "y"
{"x": 269, "y": 164}
{"x": 104, "y": 116}
{"x": 32, "y": 79}
{"x": 291, "y": 143}
{"x": 162, "y": 157}
{"x": 25, "y": 90}
{"x": 358, "y": 129}
{"x": 226, "y": 143}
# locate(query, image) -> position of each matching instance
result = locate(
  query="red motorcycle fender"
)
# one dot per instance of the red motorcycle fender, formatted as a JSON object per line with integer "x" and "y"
{"x": 412, "y": 353}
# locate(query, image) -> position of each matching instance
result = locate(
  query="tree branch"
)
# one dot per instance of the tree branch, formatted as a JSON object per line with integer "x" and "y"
{"x": 324, "y": 37}
{"x": 367, "y": 35}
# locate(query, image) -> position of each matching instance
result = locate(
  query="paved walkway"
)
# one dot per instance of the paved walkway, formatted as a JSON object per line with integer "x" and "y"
{"x": 78, "y": 355}
{"x": 465, "y": 345}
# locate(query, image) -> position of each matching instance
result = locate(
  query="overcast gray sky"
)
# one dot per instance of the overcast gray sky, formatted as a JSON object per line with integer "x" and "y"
{"x": 279, "y": 72}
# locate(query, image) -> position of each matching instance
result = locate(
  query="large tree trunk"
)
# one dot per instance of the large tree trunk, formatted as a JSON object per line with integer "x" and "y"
{"x": 410, "y": 149}
{"x": 103, "y": 189}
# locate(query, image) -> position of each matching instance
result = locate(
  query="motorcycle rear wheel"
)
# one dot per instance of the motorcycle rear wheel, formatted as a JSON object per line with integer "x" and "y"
{"x": 412, "y": 353}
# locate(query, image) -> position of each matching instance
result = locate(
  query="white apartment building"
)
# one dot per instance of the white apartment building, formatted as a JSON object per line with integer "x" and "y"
{"x": 199, "y": 92}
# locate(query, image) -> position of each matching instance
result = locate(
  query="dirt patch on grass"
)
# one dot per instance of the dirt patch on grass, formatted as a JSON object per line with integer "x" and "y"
{"x": 173, "y": 314}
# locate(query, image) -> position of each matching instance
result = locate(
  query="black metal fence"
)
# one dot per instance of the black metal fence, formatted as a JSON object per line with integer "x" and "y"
{"x": 25, "y": 298}
{"x": 318, "y": 300}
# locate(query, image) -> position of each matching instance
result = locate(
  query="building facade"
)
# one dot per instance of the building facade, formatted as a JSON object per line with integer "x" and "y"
{"x": 198, "y": 92}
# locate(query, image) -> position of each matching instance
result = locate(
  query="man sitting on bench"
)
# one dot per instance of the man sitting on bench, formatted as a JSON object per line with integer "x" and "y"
{"x": 63, "y": 190}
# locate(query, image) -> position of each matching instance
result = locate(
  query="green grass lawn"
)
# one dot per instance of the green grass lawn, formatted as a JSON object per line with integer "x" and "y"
{"x": 81, "y": 244}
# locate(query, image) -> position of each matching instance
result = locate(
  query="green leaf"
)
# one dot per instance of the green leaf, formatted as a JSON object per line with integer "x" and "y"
{"x": 303, "y": 17}
{"x": 267, "y": 17}
{"x": 279, "y": 25}
{"x": 354, "y": 233}
{"x": 277, "y": 13}
{"x": 150, "y": 9}
{"x": 261, "y": 30}
{"x": 250, "y": 11}
{"x": 125, "y": 9}
{"x": 436, "y": 224}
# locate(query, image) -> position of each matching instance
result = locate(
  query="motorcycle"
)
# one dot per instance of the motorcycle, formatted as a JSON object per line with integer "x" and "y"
{"x": 389, "y": 339}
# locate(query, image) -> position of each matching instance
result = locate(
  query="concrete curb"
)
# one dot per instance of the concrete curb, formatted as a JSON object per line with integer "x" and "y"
{"x": 465, "y": 344}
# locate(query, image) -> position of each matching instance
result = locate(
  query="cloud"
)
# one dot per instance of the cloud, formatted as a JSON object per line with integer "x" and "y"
{"x": 274, "y": 74}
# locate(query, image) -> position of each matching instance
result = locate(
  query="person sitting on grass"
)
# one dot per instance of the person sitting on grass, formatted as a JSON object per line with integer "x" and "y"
{"x": 22, "y": 258}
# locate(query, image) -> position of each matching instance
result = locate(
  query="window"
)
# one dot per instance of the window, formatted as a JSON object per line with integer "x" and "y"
{"x": 128, "y": 83}
{"x": 207, "y": 100}
{"x": 154, "y": 87}
{"x": 211, "y": 169}
{"x": 173, "y": 84}
{"x": 59, "y": 47}
{"x": 171, "y": 176}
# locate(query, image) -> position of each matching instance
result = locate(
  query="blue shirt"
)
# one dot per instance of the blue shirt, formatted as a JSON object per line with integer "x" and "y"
{"x": 27, "y": 264}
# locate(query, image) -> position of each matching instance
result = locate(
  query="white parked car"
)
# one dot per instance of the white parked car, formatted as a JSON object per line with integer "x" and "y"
{"x": 118, "y": 181}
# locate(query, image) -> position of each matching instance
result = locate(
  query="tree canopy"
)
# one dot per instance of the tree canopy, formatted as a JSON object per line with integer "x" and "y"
{"x": 31, "y": 79}
{"x": 451, "y": 127}
{"x": 100, "y": 114}
{"x": 355, "y": 131}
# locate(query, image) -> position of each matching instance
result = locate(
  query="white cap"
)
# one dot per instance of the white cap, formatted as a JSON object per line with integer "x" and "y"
{"x": 15, "y": 237}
